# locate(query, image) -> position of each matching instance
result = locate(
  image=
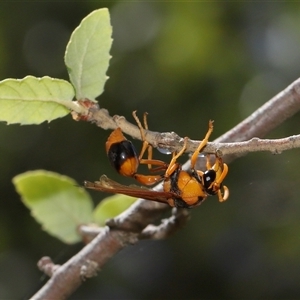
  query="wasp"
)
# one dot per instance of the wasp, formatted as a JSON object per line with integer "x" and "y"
{"x": 183, "y": 189}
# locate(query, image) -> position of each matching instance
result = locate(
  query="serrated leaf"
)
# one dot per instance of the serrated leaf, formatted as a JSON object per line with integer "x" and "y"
{"x": 56, "y": 202}
{"x": 87, "y": 54}
{"x": 111, "y": 207}
{"x": 33, "y": 100}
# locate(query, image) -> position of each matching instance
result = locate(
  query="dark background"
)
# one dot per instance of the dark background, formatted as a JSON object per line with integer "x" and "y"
{"x": 183, "y": 63}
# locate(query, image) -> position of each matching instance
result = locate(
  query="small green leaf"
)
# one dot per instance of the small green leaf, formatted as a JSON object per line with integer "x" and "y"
{"x": 87, "y": 54}
{"x": 34, "y": 100}
{"x": 111, "y": 207}
{"x": 56, "y": 202}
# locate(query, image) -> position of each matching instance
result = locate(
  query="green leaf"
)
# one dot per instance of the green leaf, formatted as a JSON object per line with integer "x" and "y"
{"x": 56, "y": 202}
{"x": 111, "y": 207}
{"x": 34, "y": 100}
{"x": 87, "y": 54}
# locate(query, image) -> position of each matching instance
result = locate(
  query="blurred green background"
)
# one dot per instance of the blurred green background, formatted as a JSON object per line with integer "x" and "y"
{"x": 183, "y": 63}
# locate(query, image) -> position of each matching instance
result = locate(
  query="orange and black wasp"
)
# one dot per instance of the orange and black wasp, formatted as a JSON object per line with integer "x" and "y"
{"x": 181, "y": 188}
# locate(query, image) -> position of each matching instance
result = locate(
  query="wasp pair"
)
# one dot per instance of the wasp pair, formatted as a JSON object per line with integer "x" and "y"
{"x": 181, "y": 188}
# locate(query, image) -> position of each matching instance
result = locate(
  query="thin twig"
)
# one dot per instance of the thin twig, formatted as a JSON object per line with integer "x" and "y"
{"x": 167, "y": 227}
{"x": 69, "y": 276}
{"x": 270, "y": 115}
{"x": 258, "y": 124}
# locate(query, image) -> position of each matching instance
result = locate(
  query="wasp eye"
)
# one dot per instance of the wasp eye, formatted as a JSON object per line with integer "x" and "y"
{"x": 209, "y": 177}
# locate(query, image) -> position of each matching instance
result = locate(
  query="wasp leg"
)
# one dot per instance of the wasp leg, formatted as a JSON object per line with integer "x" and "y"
{"x": 148, "y": 179}
{"x": 151, "y": 179}
{"x": 220, "y": 165}
{"x": 202, "y": 144}
{"x": 173, "y": 165}
{"x": 208, "y": 164}
{"x": 142, "y": 131}
{"x": 225, "y": 195}
{"x": 221, "y": 170}
{"x": 160, "y": 168}
{"x": 155, "y": 162}
{"x": 146, "y": 145}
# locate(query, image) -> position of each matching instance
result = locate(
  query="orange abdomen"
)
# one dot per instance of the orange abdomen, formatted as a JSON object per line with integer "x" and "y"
{"x": 121, "y": 154}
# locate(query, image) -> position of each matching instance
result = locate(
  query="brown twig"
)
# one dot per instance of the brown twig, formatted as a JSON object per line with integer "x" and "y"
{"x": 258, "y": 124}
{"x": 167, "y": 227}
{"x": 70, "y": 275}
{"x": 270, "y": 115}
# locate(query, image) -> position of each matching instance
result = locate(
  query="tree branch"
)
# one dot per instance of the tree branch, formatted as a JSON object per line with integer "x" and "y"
{"x": 126, "y": 228}
{"x": 258, "y": 124}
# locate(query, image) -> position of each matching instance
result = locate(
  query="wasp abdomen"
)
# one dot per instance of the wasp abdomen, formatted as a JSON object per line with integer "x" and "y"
{"x": 123, "y": 157}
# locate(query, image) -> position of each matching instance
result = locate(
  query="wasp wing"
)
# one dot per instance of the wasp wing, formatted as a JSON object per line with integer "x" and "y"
{"x": 109, "y": 186}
